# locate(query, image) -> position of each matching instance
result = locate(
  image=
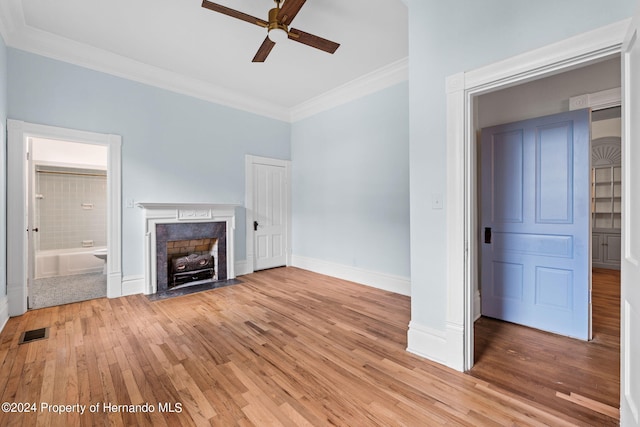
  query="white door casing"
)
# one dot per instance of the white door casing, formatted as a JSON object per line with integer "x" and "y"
{"x": 461, "y": 205}
{"x": 268, "y": 203}
{"x": 19, "y": 134}
{"x": 4, "y": 301}
{"x": 461, "y": 227}
{"x": 31, "y": 215}
{"x": 630, "y": 263}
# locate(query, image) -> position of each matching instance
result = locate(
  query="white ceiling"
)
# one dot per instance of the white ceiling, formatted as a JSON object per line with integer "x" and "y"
{"x": 181, "y": 46}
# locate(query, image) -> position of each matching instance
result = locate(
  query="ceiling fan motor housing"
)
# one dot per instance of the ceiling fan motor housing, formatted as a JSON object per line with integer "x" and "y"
{"x": 277, "y": 27}
{"x": 273, "y": 20}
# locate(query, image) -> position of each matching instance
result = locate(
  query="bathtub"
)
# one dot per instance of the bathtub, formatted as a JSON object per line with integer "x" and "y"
{"x": 66, "y": 262}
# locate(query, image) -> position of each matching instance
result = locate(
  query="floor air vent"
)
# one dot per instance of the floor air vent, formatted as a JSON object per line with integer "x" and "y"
{"x": 34, "y": 335}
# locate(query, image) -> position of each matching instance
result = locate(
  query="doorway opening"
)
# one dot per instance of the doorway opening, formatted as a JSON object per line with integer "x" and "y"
{"x": 538, "y": 370}
{"x": 21, "y": 225}
{"x": 68, "y": 209}
{"x": 606, "y": 190}
{"x": 462, "y": 88}
{"x": 556, "y": 94}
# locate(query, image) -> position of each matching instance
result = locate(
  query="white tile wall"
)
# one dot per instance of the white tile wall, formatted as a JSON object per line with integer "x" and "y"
{"x": 62, "y": 220}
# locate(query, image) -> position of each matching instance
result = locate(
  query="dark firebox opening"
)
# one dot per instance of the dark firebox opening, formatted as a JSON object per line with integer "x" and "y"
{"x": 191, "y": 268}
{"x": 191, "y": 261}
{"x": 185, "y": 239}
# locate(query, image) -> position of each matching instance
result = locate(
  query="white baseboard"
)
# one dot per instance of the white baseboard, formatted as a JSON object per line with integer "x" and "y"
{"x": 242, "y": 268}
{"x": 17, "y": 295}
{"x": 444, "y": 347}
{"x": 114, "y": 284}
{"x": 427, "y": 342}
{"x": 132, "y": 285}
{"x": 4, "y": 312}
{"x": 455, "y": 346}
{"x": 388, "y": 282}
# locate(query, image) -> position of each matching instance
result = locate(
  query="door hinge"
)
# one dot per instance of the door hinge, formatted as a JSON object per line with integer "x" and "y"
{"x": 27, "y": 155}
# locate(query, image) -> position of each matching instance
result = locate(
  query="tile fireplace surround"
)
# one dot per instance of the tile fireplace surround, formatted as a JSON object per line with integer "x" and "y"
{"x": 202, "y": 220}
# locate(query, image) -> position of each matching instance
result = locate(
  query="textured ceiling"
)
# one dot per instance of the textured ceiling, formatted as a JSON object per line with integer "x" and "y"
{"x": 185, "y": 47}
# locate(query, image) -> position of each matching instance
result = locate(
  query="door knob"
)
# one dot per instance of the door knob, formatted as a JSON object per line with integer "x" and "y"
{"x": 255, "y": 225}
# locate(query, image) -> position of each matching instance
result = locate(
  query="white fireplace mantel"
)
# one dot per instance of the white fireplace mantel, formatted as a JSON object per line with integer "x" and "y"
{"x": 187, "y": 211}
{"x": 166, "y": 213}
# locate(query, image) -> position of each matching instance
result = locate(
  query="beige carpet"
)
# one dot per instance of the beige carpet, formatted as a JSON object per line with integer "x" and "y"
{"x": 60, "y": 290}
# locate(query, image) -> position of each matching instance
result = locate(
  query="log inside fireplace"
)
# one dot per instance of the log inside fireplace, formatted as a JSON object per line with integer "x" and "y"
{"x": 191, "y": 268}
{"x": 191, "y": 261}
{"x": 174, "y": 240}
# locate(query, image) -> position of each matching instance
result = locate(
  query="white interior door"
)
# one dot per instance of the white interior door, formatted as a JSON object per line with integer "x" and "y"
{"x": 630, "y": 263}
{"x": 270, "y": 215}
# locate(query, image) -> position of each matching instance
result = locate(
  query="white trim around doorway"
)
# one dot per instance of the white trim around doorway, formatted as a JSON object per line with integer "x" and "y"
{"x": 461, "y": 88}
{"x": 250, "y": 160}
{"x": 4, "y": 301}
{"x": 19, "y": 133}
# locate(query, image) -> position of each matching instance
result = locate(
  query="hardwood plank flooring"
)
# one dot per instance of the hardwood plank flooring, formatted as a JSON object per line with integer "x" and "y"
{"x": 554, "y": 370}
{"x": 285, "y": 347}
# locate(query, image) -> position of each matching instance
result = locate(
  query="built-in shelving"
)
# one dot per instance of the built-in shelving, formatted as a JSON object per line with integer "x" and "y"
{"x": 606, "y": 202}
{"x": 606, "y": 197}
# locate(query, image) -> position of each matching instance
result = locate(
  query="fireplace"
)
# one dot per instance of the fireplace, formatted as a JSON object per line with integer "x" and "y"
{"x": 187, "y": 244}
{"x": 182, "y": 240}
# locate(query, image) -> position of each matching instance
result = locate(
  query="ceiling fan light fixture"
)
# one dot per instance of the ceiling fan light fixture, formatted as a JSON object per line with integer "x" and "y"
{"x": 277, "y": 27}
{"x": 278, "y": 34}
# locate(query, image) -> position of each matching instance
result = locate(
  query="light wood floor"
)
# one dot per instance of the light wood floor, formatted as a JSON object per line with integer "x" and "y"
{"x": 553, "y": 370}
{"x": 286, "y": 347}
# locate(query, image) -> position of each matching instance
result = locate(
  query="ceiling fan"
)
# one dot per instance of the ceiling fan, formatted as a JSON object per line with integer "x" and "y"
{"x": 277, "y": 27}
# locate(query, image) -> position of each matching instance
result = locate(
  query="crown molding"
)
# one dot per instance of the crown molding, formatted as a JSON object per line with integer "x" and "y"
{"x": 384, "y": 77}
{"x": 66, "y": 50}
{"x": 10, "y": 16}
{"x": 18, "y": 35}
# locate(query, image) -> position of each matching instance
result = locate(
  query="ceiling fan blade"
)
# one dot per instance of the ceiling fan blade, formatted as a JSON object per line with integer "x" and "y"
{"x": 313, "y": 41}
{"x": 264, "y": 50}
{"x": 290, "y": 10}
{"x": 234, "y": 13}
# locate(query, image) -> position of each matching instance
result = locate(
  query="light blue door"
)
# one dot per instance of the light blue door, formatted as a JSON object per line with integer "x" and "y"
{"x": 535, "y": 223}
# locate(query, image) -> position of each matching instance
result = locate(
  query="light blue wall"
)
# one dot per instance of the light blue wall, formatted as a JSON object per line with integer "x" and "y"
{"x": 447, "y": 37}
{"x": 351, "y": 183}
{"x": 3, "y": 81}
{"x": 3, "y": 168}
{"x": 175, "y": 148}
